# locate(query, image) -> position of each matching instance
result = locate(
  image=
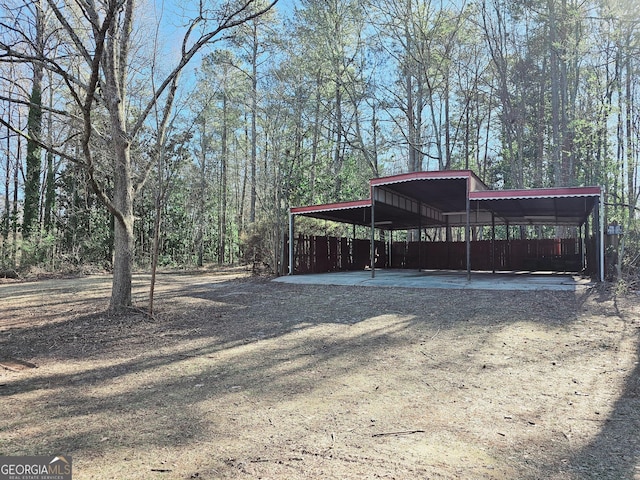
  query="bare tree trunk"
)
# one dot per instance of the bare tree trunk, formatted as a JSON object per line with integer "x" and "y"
{"x": 115, "y": 68}
{"x": 155, "y": 250}
{"x": 447, "y": 125}
{"x": 316, "y": 137}
{"x": 34, "y": 124}
{"x": 50, "y": 187}
{"x": 538, "y": 175}
{"x": 619, "y": 176}
{"x": 337, "y": 154}
{"x": 201, "y": 208}
{"x": 254, "y": 114}
{"x": 223, "y": 182}
{"x": 6, "y": 220}
{"x": 631, "y": 152}
{"x": 411, "y": 123}
{"x": 124, "y": 242}
{"x": 14, "y": 214}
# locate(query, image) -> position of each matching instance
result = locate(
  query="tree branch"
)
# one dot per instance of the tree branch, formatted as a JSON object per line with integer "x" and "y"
{"x": 96, "y": 63}
{"x": 43, "y": 107}
{"x": 70, "y": 31}
{"x": 40, "y": 143}
{"x": 187, "y": 54}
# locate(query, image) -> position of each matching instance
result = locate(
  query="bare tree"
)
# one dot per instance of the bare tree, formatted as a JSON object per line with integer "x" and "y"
{"x": 99, "y": 37}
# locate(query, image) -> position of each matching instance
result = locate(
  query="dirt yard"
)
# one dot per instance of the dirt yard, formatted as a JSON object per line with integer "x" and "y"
{"x": 240, "y": 377}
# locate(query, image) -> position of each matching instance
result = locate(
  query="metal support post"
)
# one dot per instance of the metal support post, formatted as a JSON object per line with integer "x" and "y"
{"x": 291, "y": 221}
{"x": 419, "y": 237}
{"x": 601, "y": 236}
{"x": 493, "y": 242}
{"x": 373, "y": 234}
{"x": 468, "y": 234}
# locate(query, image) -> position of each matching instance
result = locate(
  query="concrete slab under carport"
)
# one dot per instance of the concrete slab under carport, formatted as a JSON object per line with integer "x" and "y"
{"x": 507, "y": 281}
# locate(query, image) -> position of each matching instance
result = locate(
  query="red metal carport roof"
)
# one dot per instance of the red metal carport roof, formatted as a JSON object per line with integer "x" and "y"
{"x": 441, "y": 197}
{"x": 569, "y": 206}
{"x": 357, "y": 212}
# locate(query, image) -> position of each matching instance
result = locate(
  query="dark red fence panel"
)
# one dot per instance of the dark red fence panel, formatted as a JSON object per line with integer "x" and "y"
{"x": 322, "y": 254}
{"x": 381, "y": 254}
{"x": 546, "y": 254}
{"x": 345, "y": 254}
{"x": 302, "y": 254}
{"x": 412, "y": 255}
{"x": 398, "y": 254}
{"x": 481, "y": 255}
{"x": 318, "y": 254}
{"x": 361, "y": 254}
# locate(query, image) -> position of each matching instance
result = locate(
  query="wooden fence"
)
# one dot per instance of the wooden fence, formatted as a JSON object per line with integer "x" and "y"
{"x": 317, "y": 254}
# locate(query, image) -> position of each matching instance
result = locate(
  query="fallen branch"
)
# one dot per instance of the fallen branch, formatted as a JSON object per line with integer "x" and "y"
{"x": 407, "y": 432}
{"x": 436, "y": 334}
{"x": 7, "y": 367}
{"x": 17, "y": 363}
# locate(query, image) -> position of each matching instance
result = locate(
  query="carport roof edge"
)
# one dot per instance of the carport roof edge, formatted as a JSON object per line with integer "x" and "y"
{"x": 330, "y": 207}
{"x": 536, "y": 193}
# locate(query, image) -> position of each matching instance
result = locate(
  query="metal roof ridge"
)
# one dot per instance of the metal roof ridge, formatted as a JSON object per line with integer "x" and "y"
{"x": 425, "y": 175}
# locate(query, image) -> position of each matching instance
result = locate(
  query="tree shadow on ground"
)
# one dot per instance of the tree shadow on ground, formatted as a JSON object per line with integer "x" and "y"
{"x": 614, "y": 451}
{"x": 214, "y": 340}
{"x": 614, "y": 454}
{"x": 258, "y": 309}
{"x": 154, "y": 390}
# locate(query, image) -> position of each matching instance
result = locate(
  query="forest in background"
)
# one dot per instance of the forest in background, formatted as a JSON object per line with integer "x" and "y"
{"x": 212, "y": 133}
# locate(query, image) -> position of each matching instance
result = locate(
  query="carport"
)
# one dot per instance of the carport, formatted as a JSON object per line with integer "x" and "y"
{"x": 458, "y": 198}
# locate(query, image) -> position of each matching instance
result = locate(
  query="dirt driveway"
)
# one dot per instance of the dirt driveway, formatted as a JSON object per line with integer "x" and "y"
{"x": 239, "y": 377}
